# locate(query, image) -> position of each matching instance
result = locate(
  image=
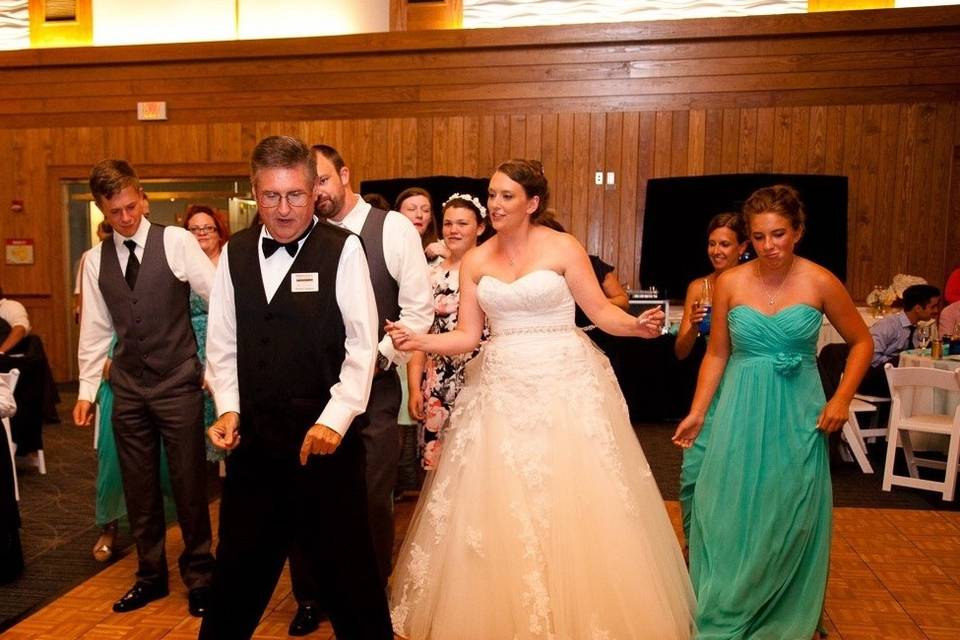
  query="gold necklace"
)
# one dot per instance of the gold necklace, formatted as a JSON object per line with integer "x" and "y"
{"x": 763, "y": 285}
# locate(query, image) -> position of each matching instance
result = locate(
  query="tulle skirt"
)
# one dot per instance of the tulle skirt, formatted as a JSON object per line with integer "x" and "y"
{"x": 542, "y": 519}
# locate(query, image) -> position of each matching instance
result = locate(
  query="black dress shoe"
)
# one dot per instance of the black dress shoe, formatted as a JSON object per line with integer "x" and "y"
{"x": 140, "y": 595}
{"x": 306, "y": 621}
{"x": 199, "y": 601}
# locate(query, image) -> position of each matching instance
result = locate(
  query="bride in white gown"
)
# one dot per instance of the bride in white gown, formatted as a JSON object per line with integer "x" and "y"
{"x": 542, "y": 519}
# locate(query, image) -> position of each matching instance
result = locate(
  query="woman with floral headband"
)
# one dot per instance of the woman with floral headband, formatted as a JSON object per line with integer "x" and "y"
{"x": 440, "y": 377}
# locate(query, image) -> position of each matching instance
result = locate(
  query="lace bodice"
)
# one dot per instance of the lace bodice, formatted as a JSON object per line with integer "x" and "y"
{"x": 537, "y": 300}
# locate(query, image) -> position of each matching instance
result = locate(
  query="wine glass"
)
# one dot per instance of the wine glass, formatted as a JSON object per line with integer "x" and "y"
{"x": 877, "y": 296}
{"x": 923, "y": 336}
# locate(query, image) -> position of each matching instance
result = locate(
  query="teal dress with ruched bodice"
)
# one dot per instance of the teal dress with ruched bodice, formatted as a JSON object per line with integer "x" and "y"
{"x": 760, "y": 515}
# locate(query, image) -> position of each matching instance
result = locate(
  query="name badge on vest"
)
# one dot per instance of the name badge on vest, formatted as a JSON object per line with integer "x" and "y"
{"x": 304, "y": 282}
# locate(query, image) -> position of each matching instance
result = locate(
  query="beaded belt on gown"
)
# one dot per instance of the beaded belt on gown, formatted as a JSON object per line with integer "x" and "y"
{"x": 516, "y": 331}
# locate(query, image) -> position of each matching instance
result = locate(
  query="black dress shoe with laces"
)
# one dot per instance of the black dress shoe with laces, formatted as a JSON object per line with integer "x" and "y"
{"x": 306, "y": 621}
{"x": 198, "y": 601}
{"x": 140, "y": 595}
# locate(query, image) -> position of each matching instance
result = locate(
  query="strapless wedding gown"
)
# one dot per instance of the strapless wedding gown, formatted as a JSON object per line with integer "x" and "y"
{"x": 542, "y": 519}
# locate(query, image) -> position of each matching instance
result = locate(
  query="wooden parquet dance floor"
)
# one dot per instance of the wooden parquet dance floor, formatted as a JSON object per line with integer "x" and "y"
{"x": 894, "y": 573}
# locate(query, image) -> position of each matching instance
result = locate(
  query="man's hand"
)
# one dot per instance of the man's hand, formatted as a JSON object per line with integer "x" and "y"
{"x": 83, "y": 413}
{"x": 321, "y": 440}
{"x": 225, "y": 431}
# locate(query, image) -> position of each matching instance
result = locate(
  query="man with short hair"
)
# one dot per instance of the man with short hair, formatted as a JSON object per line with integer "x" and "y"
{"x": 401, "y": 284}
{"x": 137, "y": 285}
{"x": 891, "y": 335}
{"x": 14, "y": 324}
{"x": 291, "y": 351}
{"x": 895, "y": 333}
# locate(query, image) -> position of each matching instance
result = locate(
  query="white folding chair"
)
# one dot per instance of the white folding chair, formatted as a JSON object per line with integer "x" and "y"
{"x": 35, "y": 459}
{"x": 875, "y": 401}
{"x": 903, "y": 382}
{"x": 11, "y": 377}
{"x": 856, "y": 436}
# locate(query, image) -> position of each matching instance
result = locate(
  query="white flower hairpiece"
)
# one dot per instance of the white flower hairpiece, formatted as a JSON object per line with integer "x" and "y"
{"x": 468, "y": 198}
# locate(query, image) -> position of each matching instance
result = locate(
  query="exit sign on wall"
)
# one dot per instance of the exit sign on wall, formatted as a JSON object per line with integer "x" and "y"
{"x": 151, "y": 111}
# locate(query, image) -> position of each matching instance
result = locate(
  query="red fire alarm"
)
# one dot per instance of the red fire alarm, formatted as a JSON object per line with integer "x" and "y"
{"x": 16, "y": 206}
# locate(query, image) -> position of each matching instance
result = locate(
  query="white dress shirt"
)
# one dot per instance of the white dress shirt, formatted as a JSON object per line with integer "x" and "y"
{"x": 403, "y": 253}
{"x": 186, "y": 260}
{"x": 358, "y": 307}
{"x": 15, "y": 314}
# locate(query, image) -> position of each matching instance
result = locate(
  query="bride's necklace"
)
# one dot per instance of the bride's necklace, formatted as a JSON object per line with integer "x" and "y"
{"x": 763, "y": 285}
{"x": 513, "y": 261}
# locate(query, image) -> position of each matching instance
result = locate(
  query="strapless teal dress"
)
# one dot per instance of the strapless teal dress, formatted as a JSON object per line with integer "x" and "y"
{"x": 761, "y": 508}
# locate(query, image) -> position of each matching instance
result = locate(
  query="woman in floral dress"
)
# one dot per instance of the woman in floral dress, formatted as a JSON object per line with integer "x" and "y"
{"x": 441, "y": 377}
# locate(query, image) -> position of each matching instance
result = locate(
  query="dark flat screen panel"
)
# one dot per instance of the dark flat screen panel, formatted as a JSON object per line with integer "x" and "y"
{"x": 439, "y": 187}
{"x": 678, "y": 210}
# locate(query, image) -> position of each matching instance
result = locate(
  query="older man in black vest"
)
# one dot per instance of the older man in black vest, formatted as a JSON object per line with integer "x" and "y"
{"x": 291, "y": 351}
{"x": 401, "y": 285}
{"x": 137, "y": 285}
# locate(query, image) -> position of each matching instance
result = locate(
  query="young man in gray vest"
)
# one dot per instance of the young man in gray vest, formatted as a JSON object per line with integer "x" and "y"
{"x": 291, "y": 352}
{"x": 137, "y": 285}
{"x": 401, "y": 284}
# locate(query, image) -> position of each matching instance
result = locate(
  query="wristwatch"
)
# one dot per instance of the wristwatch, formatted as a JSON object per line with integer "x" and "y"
{"x": 382, "y": 363}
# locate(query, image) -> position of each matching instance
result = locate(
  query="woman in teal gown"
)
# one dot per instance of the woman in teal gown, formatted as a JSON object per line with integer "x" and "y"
{"x": 761, "y": 509}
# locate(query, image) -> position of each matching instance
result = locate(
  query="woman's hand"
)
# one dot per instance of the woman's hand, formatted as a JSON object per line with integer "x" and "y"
{"x": 687, "y": 431}
{"x": 435, "y": 249}
{"x": 403, "y": 339}
{"x": 415, "y": 406}
{"x": 650, "y": 323}
{"x": 834, "y": 415}
{"x": 697, "y": 313}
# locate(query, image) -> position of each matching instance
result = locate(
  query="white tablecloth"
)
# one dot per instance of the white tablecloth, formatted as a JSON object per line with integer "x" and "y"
{"x": 932, "y": 400}
{"x": 829, "y": 335}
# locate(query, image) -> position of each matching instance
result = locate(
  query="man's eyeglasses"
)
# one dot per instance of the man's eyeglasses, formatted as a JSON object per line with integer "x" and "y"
{"x": 272, "y": 198}
{"x": 201, "y": 230}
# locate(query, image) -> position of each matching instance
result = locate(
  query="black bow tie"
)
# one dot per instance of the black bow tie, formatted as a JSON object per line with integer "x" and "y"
{"x": 270, "y": 245}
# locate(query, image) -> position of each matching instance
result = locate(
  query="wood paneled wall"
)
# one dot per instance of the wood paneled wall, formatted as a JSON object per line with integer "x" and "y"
{"x": 871, "y": 95}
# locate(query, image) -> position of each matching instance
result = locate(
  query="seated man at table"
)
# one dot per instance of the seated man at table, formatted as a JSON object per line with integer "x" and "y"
{"x": 36, "y": 394}
{"x": 14, "y": 324}
{"x": 891, "y": 335}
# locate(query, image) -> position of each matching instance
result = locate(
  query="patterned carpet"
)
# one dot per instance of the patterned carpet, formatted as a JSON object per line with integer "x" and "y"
{"x": 58, "y": 508}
